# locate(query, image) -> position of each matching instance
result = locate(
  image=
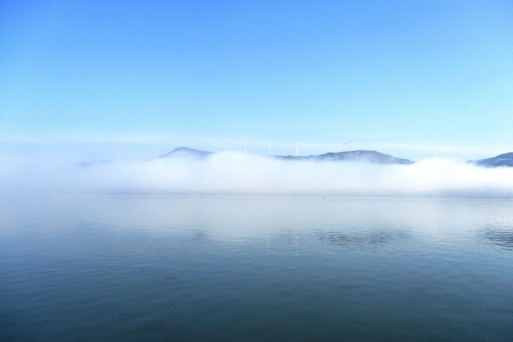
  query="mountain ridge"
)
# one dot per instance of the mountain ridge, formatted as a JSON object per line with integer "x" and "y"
{"x": 505, "y": 159}
{"x": 186, "y": 151}
{"x": 375, "y": 157}
{"x": 352, "y": 156}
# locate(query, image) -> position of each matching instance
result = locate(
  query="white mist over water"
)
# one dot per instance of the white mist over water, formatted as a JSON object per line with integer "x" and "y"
{"x": 239, "y": 173}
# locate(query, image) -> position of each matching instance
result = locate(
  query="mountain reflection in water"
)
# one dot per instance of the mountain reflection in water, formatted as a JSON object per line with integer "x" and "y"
{"x": 361, "y": 240}
{"x": 502, "y": 237}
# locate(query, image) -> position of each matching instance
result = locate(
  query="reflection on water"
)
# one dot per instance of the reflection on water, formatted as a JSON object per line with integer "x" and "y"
{"x": 360, "y": 238}
{"x": 500, "y": 236}
{"x": 161, "y": 268}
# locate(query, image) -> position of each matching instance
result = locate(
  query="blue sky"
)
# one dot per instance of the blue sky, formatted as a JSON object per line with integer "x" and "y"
{"x": 134, "y": 78}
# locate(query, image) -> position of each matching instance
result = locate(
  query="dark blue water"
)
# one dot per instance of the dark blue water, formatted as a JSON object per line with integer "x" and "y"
{"x": 162, "y": 268}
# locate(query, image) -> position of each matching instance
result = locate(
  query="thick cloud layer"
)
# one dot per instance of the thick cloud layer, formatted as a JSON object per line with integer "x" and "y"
{"x": 239, "y": 173}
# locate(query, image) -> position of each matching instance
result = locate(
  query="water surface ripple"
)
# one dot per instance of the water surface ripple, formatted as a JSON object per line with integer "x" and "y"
{"x": 162, "y": 268}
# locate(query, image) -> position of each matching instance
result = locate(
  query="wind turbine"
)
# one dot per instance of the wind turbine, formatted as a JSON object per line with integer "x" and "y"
{"x": 349, "y": 144}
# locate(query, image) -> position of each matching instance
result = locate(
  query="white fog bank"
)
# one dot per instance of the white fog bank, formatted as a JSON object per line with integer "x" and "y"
{"x": 239, "y": 173}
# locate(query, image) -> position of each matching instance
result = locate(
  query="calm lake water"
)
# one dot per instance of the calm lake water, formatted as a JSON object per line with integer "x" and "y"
{"x": 162, "y": 268}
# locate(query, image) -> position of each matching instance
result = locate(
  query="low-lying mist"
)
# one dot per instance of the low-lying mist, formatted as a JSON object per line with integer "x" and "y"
{"x": 240, "y": 173}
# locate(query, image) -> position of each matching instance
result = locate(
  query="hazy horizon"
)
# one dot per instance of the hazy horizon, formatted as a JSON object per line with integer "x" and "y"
{"x": 244, "y": 173}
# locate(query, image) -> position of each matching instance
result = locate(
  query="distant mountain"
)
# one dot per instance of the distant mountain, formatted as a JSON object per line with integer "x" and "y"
{"x": 505, "y": 159}
{"x": 186, "y": 152}
{"x": 354, "y": 156}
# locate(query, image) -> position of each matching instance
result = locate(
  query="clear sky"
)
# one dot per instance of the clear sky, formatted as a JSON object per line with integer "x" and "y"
{"x": 411, "y": 78}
